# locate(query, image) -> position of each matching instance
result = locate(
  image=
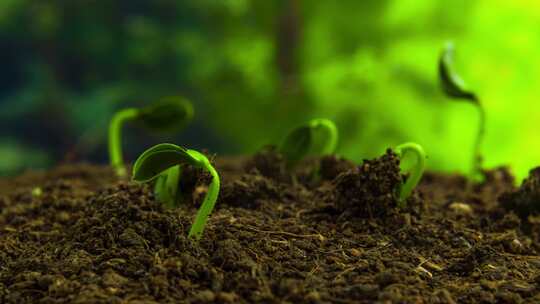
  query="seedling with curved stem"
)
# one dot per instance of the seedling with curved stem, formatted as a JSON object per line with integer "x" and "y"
{"x": 156, "y": 160}
{"x": 316, "y": 137}
{"x": 166, "y": 115}
{"x": 416, "y": 171}
{"x": 454, "y": 87}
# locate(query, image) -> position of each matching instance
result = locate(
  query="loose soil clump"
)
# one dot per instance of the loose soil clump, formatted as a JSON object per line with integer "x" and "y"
{"x": 330, "y": 234}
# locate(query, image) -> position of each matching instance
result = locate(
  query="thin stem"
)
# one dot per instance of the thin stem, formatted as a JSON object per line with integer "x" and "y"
{"x": 476, "y": 167}
{"x": 416, "y": 171}
{"x": 332, "y": 139}
{"x": 115, "y": 138}
{"x": 208, "y": 204}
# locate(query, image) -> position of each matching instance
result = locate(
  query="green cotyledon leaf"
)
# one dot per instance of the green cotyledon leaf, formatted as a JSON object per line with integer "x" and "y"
{"x": 159, "y": 158}
{"x": 316, "y": 137}
{"x": 296, "y": 145}
{"x": 451, "y": 83}
{"x": 167, "y": 115}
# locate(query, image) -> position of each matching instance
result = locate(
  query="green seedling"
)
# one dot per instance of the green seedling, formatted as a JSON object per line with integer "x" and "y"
{"x": 415, "y": 173}
{"x": 153, "y": 162}
{"x": 166, "y": 115}
{"x": 455, "y": 88}
{"x": 316, "y": 137}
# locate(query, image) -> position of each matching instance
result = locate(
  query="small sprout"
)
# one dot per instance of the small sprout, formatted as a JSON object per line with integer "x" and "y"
{"x": 37, "y": 192}
{"x": 166, "y": 115}
{"x": 454, "y": 87}
{"x": 153, "y": 162}
{"x": 415, "y": 172}
{"x": 316, "y": 137}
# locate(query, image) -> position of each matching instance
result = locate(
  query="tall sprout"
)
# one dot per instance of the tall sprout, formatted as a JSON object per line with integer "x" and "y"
{"x": 454, "y": 87}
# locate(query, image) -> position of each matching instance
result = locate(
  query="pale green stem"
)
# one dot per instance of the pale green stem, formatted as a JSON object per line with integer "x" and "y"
{"x": 331, "y": 144}
{"x": 416, "y": 171}
{"x": 115, "y": 138}
{"x": 208, "y": 204}
{"x": 476, "y": 167}
{"x": 172, "y": 183}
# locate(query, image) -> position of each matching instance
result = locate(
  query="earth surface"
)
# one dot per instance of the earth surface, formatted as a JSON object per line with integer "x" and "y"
{"x": 328, "y": 231}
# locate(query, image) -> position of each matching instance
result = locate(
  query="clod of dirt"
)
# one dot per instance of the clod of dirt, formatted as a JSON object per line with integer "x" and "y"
{"x": 499, "y": 178}
{"x": 331, "y": 166}
{"x": 269, "y": 163}
{"x": 193, "y": 185}
{"x": 474, "y": 258}
{"x": 250, "y": 191}
{"x": 497, "y": 181}
{"x": 524, "y": 201}
{"x": 443, "y": 189}
{"x": 369, "y": 190}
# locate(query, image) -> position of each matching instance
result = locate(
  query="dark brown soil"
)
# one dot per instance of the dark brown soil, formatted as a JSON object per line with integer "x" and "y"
{"x": 330, "y": 233}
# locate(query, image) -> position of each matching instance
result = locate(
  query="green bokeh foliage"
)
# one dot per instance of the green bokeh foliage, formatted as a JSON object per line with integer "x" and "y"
{"x": 255, "y": 69}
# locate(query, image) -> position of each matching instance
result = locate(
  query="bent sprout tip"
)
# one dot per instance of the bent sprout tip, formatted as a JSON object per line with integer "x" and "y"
{"x": 329, "y": 135}
{"x": 415, "y": 173}
{"x": 454, "y": 87}
{"x": 115, "y": 138}
{"x": 316, "y": 137}
{"x": 163, "y": 157}
{"x": 451, "y": 82}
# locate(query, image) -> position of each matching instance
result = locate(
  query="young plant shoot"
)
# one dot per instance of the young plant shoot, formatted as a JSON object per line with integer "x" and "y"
{"x": 166, "y": 115}
{"x": 454, "y": 87}
{"x": 156, "y": 160}
{"x": 415, "y": 173}
{"x": 316, "y": 137}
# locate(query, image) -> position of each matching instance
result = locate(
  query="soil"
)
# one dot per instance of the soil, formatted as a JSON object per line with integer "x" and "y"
{"x": 329, "y": 232}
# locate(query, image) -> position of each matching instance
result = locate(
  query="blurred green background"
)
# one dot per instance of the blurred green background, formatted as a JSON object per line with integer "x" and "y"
{"x": 254, "y": 69}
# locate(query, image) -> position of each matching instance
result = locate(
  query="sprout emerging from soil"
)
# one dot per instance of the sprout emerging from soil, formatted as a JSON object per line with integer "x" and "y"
{"x": 166, "y": 115}
{"x": 454, "y": 87}
{"x": 316, "y": 137}
{"x": 153, "y": 162}
{"x": 415, "y": 173}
